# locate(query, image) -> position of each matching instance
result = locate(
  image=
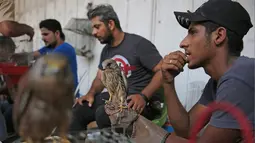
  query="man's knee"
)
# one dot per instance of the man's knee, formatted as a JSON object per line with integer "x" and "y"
{"x": 100, "y": 112}
{"x": 81, "y": 116}
{"x": 102, "y": 118}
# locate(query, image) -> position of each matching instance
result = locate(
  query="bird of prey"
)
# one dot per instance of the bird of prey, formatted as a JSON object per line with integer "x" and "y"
{"x": 136, "y": 127}
{"x": 44, "y": 99}
{"x": 114, "y": 79}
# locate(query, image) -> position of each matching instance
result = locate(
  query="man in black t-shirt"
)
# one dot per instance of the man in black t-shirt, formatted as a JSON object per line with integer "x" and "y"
{"x": 139, "y": 59}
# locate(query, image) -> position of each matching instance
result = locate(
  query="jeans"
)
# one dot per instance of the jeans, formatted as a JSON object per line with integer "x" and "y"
{"x": 83, "y": 114}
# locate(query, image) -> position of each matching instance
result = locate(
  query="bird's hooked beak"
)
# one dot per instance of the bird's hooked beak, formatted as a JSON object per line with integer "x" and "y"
{"x": 104, "y": 65}
{"x": 107, "y": 64}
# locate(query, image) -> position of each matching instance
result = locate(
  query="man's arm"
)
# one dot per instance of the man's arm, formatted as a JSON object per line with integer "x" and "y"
{"x": 180, "y": 119}
{"x": 223, "y": 128}
{"x": 36, "y": 54}
{"x": 219, "y": 135}
{"x": 151, "y": 59}
{"x": 155, "y": 82}
{"x": 97, "y": 86}
{"x": 15, "y": 29}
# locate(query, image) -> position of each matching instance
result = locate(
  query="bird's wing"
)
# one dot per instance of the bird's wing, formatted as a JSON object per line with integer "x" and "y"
{"x": 103, "y": 78}
{"x": 124, "y": 78}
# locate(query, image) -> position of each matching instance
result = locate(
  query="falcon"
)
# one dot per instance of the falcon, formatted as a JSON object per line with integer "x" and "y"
{"x": 44, "y": 99}
{"x": 137, "y": 127}
{"x": 115, "y": 81}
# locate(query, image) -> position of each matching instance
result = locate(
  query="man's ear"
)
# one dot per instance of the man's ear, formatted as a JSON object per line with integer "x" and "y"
{"x": 219, "y": 36}
{"x": 111, "y": 25}
{"x": 57, "y": 33}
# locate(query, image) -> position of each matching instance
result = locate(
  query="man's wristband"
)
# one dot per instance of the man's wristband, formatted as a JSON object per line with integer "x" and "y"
{"x": 144, "y": 97}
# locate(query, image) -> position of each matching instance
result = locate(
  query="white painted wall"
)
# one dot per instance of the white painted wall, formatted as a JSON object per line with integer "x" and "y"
{"x": 153, "y": 19}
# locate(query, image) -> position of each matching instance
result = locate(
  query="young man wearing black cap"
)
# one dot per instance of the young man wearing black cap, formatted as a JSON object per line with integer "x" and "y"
{"x": 214, "y": 42}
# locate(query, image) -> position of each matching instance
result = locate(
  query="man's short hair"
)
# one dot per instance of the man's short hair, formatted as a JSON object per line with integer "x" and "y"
{"x": 52, "y": 25}
{"x": 106, "y": 13}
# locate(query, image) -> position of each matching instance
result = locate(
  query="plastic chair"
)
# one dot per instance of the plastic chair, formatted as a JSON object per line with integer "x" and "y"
{"x": 160, "y": 121}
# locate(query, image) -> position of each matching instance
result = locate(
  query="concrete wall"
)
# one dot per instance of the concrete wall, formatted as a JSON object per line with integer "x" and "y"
{"x": 152, "y": 19}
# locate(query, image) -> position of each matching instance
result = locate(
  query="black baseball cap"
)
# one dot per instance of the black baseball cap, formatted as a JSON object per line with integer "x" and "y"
{"x": 226, "y": 13}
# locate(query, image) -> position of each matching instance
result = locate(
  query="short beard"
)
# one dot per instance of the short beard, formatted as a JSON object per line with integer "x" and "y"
{"x": 109, "y": 38}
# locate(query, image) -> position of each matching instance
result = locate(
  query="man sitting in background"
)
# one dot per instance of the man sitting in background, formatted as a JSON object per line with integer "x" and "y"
{"x": 54, "y": 40}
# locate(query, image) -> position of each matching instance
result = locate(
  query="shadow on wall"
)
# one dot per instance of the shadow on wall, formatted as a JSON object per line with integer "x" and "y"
{"x": 195, "y": 90}
{"x": 79, "y": 33}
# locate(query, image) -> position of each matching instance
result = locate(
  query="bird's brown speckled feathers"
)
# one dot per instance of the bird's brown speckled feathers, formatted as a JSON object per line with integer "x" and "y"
{"x": 115, "y": 81}
{"x": 44, "y": 99}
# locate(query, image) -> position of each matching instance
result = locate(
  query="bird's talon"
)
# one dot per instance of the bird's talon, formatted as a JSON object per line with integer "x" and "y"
{"x": 65, "y": 140}
{"x": 122, "y": 107}
{"x": 107, "y": 101}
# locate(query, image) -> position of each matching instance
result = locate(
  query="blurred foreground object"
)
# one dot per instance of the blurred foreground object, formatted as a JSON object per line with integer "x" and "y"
{"x": 245, "y": 125}
{"x": 136, "y": 127}
{"x": 106, "y": 135}
{"x": 44, "y": 99}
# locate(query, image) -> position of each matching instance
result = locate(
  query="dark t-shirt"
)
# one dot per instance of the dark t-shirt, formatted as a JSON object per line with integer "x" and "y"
{"x": 137, "y": 57}
{"x": 236, "y": 86}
